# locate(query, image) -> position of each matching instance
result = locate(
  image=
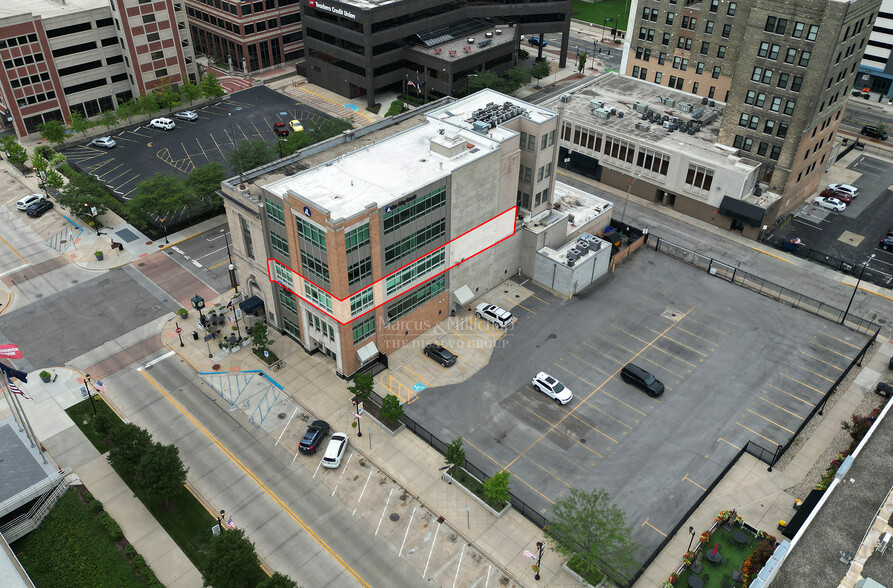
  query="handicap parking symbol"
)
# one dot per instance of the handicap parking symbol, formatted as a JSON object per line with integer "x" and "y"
{"x": 418, "y": 387}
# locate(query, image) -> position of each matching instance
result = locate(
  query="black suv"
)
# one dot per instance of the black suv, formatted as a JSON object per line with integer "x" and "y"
{"x": 633, "y": 374}
{"x": 440, "y": 354}
{"x": 316, "y": 432}
{"x": 871, "y": 131}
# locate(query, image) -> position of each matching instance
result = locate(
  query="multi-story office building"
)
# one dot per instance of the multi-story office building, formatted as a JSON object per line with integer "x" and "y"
{"x": 87, "y": 55}
{"x": 876, "y": 69}
{"x": 247, "y": 36}
{"x": 364, "y": 250}
{"x": 783, "y": 69}
{"x": 361, "y": 47}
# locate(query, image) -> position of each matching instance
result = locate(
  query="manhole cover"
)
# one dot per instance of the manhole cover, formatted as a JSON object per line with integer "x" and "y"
{"x": 882, "y": 321}
{"x": 215, "y": 367}
{"x": 148, "y": 242}
{"x": 440, "y": 520}
{"x": 672, "y": 314}
{"x": 75, "y": 281}
{"x": 583, "y": 441}
{"x": 281, "y": 415}
{"x": 156, "y": 307}
{"x": 505, "y": 291}
{"x": 394, "y": 517}
{"x": 38, "y": 295}
{"x": 140, "y": 264}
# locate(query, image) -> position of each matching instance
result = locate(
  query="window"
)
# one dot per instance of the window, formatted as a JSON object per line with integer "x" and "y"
{"x": 726, "y": 31}
{"x": 789, "y": 107}
{"x": 288, "y": 300}
{"x": 406, "y": 213}
{"x": 666, "y": 40}
{"x": 361, "y": 301}
{"x": 552, "y": 133}
{"x": 748, "y": 144}
{"x": 311, "y": 233}
{"x": 157, "y": 55}
{"x": 699, "y": 69}
{"x": 246, "y": 238}
{"x": 783, "y": 80}
{"x": 291, "y": 328}
{"x": 776, "y": 151}
{"x": 769, "y": 127}
{"x": 658, "y": 76}
{"x": 677, "y": 61}
{"x": 782, "y": 130}
{"x": 414, "y": 242}
{"x": 698, "y": 179}
{"x": 544, "y": 142}
{"x": 767, "y": 76}
{"x": 314, "y": 269}
{"x": 791, "y": 55}
{"x": 804, "y": 58}
{"x": 780, "y": 26}
{"x": 705, "y": 47}
{"x": 773, "y": 51}
{"x": 415, "y": 270}
{"x": 275, "y": 212}
{"x": 359, "y": 271}
{"x": 356, "y": 238}
{"x": 798, "y": 30}
{"x": 319, "y": 296}
{"x": 763, "y": 51}
{"x": 750, "y": 97}
{"x": 283, "y": 275}
{"x": 670, "y": 17}
{"x": 661, "y": 58}
{"x": 683, "y": 43}
{"x": 714, "y": 5}
{"x": 412, "y": 300}
{"x": 721, "y": 51}
{"x": 708, "y": 28}
{"x": 733, "y": 6}
{"x": 279, "y": 243}
{"x": 147, "y": 18}
{"x": 813, "y": 32}
{"x": 716, "y": 71}
{"x": 796, "y": 83}
{"x": 652, "y": 163}
{"x": 363, "y": 328}
{"x": 763, "y": 147}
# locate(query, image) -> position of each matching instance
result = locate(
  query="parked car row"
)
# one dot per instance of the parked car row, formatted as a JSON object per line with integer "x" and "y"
{"x": 313, "y": 438}
{"x": 34, "y": 205}
{"x": 836, "y": 197}
{"x": 631, "y": 374}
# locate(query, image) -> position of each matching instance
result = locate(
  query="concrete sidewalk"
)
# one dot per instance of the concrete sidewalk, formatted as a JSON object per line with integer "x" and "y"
{"x": 66, "y": 446}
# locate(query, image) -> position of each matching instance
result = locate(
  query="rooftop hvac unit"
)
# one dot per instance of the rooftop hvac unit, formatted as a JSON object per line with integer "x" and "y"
{"x": 640, "y": 107}
{"x": 670, "y": 101}
{"x": 575, "y": 252}
{"x": 757, "y": 190}
{"x": 690, "y": 131}
{"x": 565, "y": 98}
{"x": 712, "y": 104}
{"x": 619, "y": 115}
{"x": 570, "y": 262}
{"x": 697, "y": 113}
{"x": 583, "y": 246}
{"x": 596, "y": 104}
{"x": 704, "y": 100}
{"x": 684, "y": 106}
{"x": 488, "y": 35}
{"x": 480, "y": 126}
{"x": 572, "y": 256}
{"x": 602, "y": 113}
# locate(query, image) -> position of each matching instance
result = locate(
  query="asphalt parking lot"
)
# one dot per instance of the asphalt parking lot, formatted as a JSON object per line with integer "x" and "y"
{"x": 737, "y": 367}
{"x": 854, "y": 234}
{"x": 143, "y": 151}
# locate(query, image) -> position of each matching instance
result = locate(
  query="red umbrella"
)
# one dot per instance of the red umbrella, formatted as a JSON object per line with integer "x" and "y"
{"x": 715, "y": 548}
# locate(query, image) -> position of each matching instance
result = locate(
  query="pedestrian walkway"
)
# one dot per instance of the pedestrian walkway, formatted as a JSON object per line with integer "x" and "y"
{"x": 67, "y": 446}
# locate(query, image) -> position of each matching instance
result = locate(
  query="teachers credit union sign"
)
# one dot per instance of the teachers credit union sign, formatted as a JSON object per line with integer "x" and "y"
{"x": 328, "y": 8}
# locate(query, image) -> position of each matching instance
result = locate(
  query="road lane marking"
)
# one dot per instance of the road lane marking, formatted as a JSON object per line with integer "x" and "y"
{"x": 158, "y": 359}
{"x": 831, "y": 350}
{"x": 344, "y": 469}
{"x": 201, "y": 428}
{"x": 841, "y": 340}
{"x": 822, "y": 361}
{"x": 459, "y": 567}
{"x": 813, "y": 373}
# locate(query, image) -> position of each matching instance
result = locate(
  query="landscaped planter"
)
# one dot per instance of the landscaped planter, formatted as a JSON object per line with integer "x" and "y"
{"x": 367, "y": 414}
{"x": 580, "y": 579}
{"x": 474, "y": 496}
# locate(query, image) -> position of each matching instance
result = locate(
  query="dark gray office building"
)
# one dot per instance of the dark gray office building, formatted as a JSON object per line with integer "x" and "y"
{"x": 362, "y": 47}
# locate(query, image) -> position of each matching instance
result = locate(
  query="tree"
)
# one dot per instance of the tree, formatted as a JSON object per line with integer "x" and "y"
{"x": 16, "y": 154}
{"x": 52, "y": 131}
{"x": 166, "y": 96}
{"x": 161, "y": 472}
{"x": 129, "y": 109}
{"x": 129, "y": 443}
{"x": 39, "y": 163}
{"x": 190, "y": 92}
{"x": 53, "y": 179}
{"x": 881, "y": 128}
{"x": 157, "y": 197}
{"x": 260, "y": 341}
{"x": 251, "y": 154}
{"x": 481, "y": 80}
{"x": 148, "y": 103}
{"x": 204, "y": 182}
{"x": 278, "y": 580}
{"x": 513, "y": 79}
{"x": 391, "y": 409}
{"x": 455, "y": 454}
{"x": 591, "y": 529}
{"x": 540, "y": 70}
{"x": 82, "y": 193}
{"x": 362, "y": 386}
{"x": 210, "y": 87}
{"x": 581, "y": 61}
{"x": 79, "y": 124}
{"x": 231, "y": 561}
{"x": 107, "y": 119}
{"x": 496, "y": 487}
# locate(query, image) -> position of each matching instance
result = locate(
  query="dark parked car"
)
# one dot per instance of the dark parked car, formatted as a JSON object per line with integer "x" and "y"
{"x": 535, "y": 41}
{"x": 874, "y": 132}
{"x": 886, "y": 242}
{"x": 633, "y": 374}
{"x": 38, "y": 208}
{"x": 440, "y": 354}
{"x": 316, "y": 432}
{"x": 842, "y": 196}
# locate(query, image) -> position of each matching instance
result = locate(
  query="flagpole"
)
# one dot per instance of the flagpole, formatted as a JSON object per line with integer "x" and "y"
{"x": 28, "y": 426}
{"x": 8, "y": 393}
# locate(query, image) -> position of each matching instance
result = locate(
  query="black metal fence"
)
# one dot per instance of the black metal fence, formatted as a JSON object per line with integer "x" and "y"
{"x": 762, "y": 286}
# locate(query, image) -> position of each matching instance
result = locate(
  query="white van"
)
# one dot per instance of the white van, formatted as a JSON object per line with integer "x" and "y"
{"x": 490, "y": 312}
{"x": 162, "y": 123}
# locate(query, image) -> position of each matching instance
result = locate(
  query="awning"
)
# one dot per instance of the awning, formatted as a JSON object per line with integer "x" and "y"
{"x": 367, "y": 352}
{"x": 463, "y": 295}
{"x": 802, "y": 513}
{"x": 251, "y": 305}
{"x": 740, "y": 210}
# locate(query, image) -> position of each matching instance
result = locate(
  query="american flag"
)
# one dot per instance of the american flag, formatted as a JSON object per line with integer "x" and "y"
{"x": 230, "y": 523}
{"x": 99, "y": 385}
{"x": 16, "y": 390}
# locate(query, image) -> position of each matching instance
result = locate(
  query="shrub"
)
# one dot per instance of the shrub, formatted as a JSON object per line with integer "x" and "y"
{"x": 111, "y": 527}
{"x": 374, "y": 108}
{"x": 139, "y": 561}
{"x": 67, "y": 171}
{"x": 129, "y": 549}
{"x": 391, "y": 409}
{"x": 395, "y": 108}
{"x": 102, "y": 424}
{"x": 95, "y": 506}
{"x": 496, "y": 487}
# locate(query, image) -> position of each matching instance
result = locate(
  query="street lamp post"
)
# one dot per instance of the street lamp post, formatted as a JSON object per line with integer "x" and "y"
{"x": 198, "y": 303}
{"x": 87, "y": 388}
{"x": 92, "y": 212}
{"x": 164, "y": 228}
{"x": 540, "y": 546}
{"x": 864, "y": 265}
{"x": 691, "y": 531}
{"x": 625, "y": 202}
{"x": 358, "y": 407}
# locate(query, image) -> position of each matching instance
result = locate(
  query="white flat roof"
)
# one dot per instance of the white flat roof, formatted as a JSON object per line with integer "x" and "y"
{"x": 48, "y": 9}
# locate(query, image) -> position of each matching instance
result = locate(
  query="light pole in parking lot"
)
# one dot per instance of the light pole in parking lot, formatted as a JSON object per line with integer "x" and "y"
{"x": 625, "y": 202}
{"x": 856, "y": 288}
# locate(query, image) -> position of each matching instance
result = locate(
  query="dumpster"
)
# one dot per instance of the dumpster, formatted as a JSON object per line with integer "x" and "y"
{"x": 791, "y": 244}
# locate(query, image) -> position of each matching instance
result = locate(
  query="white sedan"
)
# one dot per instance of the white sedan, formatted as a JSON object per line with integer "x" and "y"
{"x": 106, "y": 142}
{"x": 829, "y": 203}
{"x": 552, "y": 388}
{"x": 853, "y": 191}
{"x": 187, "y": 115}
{"x": 335, "y": 450}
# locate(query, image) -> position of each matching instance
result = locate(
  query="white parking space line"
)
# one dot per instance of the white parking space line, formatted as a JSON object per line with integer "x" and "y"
{"x": 459, "y": 567}
{"x": 489, "y": 569}
{"x": 433, "y": 543}
{"x": 361, "y": 493}
{"x": 286, "y": 426}
{"x": 384, "y": 510}
{"x": 195, "y": 263}
{"x": 409, "y": 526}
{"x": 343, "y": 469}
{"x": 211, "y": 253}
{"x": 318, "y": 465}
{"x": 296, "y": 455}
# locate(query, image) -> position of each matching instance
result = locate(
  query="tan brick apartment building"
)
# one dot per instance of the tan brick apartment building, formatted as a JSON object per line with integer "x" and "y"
{"x": 87, "y": 55}
{"x": 783, "y": 69}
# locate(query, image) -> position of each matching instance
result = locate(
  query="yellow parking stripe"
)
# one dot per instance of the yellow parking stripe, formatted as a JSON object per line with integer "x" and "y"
{"x": 698, "y": 336}
{"x": 686, "y": 346}
{"x": 709, "y": 327}
{"x": 499, "y": 465}
{"x": 685, "y": 478}
{"x": 611, "y": 395}
{"x": 727, "y": 443}
{"x": 831, "y": 350}
{"x": 674, "y": 356}
{"x": 813, "y": 373}
{"x": 653, "y": 527}
{"x": 793, "y": 414}
{"x": 771, "y": 421}
{"x": 822, "y": 361}
{"x": 661, "y": 366}
{"x": 841, "y": 340}
{"x": 533, "y": 461}
{"x": 587, "y": 363}
{"x": 805, "y": 385}
{"x": 575, "y": 440}
{"x": 614, "y": 359}
{"x": 791, "y": 395}
{"x": 757, "y": 434}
